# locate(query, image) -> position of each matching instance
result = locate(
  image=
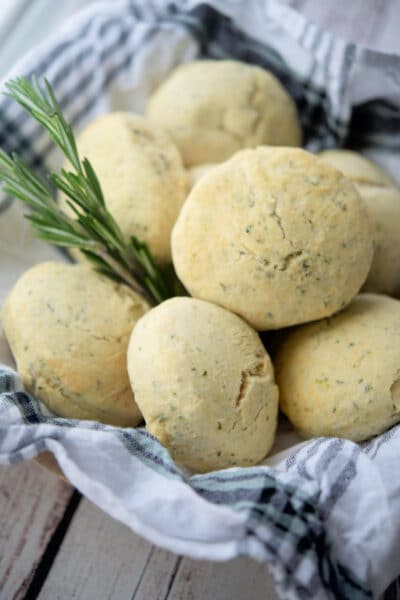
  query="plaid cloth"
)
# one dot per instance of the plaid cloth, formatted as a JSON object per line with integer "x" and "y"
{"x": 325, "y": 514}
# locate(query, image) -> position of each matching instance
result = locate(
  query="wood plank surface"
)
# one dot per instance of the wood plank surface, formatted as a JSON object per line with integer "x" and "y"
{"x": 100, "y": 558}
{"x": 158, "y": 576}
{"x": 238, "y": 579}
{"x": 32, "y": 503}
{"x": 168, "y": 577}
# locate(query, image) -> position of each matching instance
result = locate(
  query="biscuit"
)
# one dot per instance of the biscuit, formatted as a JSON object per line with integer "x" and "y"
{"x": 204, "y": 383}
{"x": 215, "y": 108}
{"x": 341, "y": 376}
{"x": 274, "y": 235}
{"x": 196, "y": 173}
{"x": 68, "y": 328}
{"x": 141, "y": 174}
{"x": 382, "y": 197}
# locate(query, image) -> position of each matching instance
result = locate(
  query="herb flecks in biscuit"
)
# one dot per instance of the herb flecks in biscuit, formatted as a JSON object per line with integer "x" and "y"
{"x": 204, "y": 383}
{"x": 274, "y": 235}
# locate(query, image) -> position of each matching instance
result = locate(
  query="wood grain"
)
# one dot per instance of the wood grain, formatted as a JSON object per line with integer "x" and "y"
{"x": 32, "y": 502}
{"x": 99, "y": 558}
{"x": 158, "y": 577}
{"x": 237, "y": 579}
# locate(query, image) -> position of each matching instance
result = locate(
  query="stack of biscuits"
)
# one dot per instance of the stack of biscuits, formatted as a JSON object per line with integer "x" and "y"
{"x": 263, "y": 236}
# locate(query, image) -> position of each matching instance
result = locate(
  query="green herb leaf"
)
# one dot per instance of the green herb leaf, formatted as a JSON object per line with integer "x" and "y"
{"x": 92, "y": 229}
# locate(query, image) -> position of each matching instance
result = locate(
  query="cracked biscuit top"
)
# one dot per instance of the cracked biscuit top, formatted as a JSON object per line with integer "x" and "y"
{"x": 204, "y": 383}
{"x": 68, "y": 328}
{"x": 276, "y": 236}
{"x": 215, "y": 108}
{"x": 340, "y": 376}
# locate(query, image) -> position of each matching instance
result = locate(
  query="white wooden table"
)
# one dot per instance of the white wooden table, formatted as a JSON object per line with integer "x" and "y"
{"x": 55, "y": 544}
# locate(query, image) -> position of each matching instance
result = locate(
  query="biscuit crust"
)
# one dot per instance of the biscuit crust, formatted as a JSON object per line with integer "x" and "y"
{"x": 382, "y": 198}
{"x": 141, "y": 174}
{"x": 68, "y": 328}
{"x": 341, "y": 376}
{"x": 274, "y": 235}
{"x": 204, "y": 383}
{"x": 215, "y": 108}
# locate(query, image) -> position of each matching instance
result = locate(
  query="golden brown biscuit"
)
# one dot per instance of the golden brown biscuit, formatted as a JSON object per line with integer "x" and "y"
{"x": 68, "y": 328}
{"x": 274, "y": 235}
{"x": 204, "y": 384}
{"x": 215, "y": 108}
{"x": 341, "y": 376}
{"x": 382, "y": 197}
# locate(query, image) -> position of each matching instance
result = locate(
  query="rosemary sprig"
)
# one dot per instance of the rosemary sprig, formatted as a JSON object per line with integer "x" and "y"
{"x": 92, "y": 229}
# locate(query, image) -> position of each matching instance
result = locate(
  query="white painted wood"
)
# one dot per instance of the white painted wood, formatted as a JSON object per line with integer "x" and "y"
{"x": 32, "y": 502}
{"x": 158, "y": 576}
{"x": 98, "y": 559}
{"x": 240, "y": 579}
{"x": 168, "y": 577}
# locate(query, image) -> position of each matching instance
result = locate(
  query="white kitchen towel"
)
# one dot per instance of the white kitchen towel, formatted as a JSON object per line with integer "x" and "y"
{"x": 324, "y": 514}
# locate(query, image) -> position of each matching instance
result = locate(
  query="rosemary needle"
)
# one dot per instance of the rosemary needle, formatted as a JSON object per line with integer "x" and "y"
{"x": 92, "y": 228}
